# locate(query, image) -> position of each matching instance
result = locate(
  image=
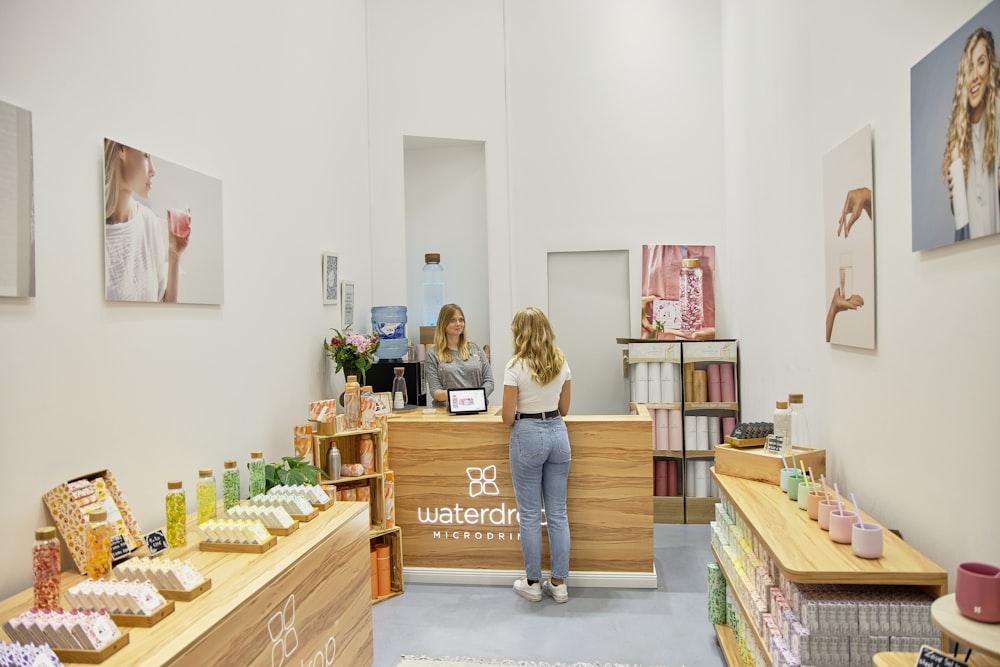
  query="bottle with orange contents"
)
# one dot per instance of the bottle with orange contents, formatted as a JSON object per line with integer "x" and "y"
{"x": 98, "y": 545}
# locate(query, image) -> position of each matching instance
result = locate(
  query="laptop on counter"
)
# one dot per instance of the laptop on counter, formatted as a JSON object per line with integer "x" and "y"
{"x": 467, "y": 401}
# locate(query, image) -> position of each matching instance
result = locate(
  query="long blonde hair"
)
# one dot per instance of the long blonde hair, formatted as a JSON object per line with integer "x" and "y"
{"x": 447, "y": 312}
{"x": 959, "y": 139}
{"x": 112, "y": 176}
{"x": 535, "y": 345}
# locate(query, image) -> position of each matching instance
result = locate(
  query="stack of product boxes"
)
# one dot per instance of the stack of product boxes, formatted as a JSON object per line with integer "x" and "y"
{"x": 812, "y": 625}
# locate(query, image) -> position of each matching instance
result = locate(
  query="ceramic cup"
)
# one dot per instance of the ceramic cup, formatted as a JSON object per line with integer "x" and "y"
{"x": 793, "y": 485}
{"x": 977, "y": 592}
{"x": 785, "y": 473}
{"x": 840, "y": 525}
{"x": 823, "y": 514}
{"x": 866, "y": 540}
{"x": 802, "y": 495}
{"x": 812, "y": 505}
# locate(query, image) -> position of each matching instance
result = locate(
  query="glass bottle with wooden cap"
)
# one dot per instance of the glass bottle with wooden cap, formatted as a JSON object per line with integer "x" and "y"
{"x": 800, "y": 425}
{"x": 230, "y": 485}
{"x": 46, "y": 569}
{"x": 207, "y": 496}
{"x": 692, "y": 300}
{"x": 256, "y": 467}
{"x": 98, "y": 545}
{"x": 176, "y": 503}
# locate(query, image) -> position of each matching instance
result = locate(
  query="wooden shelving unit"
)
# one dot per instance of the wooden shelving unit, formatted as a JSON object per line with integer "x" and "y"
{"x": 382, "y": 529}
{"x": 805, "y": 554}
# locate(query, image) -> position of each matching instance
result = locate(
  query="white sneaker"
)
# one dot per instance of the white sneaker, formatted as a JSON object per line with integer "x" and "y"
{"x": 558, "y": 593}
{"x": 530, "y": 592}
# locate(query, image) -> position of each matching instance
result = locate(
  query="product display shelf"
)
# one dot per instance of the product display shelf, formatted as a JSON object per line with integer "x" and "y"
{"x": 696, "y": 355}
{"x": 382, "y": 526}
{"x": 289, "y": 586}
{"x": 804, "y": 553}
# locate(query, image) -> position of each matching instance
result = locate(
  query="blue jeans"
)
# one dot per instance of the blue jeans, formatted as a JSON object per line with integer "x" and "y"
{"x": 539, "y": 466}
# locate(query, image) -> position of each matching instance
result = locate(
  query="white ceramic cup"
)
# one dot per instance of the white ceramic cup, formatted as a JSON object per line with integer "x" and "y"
{"x": 866, "y": 540}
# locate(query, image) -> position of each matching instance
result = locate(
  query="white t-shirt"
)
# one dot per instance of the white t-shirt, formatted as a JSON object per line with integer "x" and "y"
{"x": 531, "y": 396}
{"x": 135, "y": 257}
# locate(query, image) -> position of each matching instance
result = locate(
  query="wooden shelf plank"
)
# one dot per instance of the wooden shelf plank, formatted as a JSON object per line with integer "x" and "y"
{"x": 805, "y": 554}
{"x": 730, "y": 648}
{"x": 761, "y": 645}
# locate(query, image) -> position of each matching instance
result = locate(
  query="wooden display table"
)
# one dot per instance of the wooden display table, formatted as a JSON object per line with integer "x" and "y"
{"x": 910, "y": 659}
{"x": 455, "y": 499}
{"x": 805, "y": 554}
{"x": 308, "y": 596}
{"x": 980, "y": 637}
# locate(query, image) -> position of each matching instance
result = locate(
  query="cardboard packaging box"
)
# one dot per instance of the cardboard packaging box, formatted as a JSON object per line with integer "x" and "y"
{"x": 71, "y": 502}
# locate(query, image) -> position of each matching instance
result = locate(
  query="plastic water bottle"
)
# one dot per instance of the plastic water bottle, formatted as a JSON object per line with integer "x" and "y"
{"x": 433, "y": 287}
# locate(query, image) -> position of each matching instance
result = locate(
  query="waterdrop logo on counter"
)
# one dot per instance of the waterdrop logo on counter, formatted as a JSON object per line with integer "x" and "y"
{"x": 483, "y": 481}
{"x": 474, "y": 522}
{"x": 285, "y": 640}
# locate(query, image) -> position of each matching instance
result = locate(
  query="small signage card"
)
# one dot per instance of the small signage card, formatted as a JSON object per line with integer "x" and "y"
{"x": 931, "y": 657}
{"x": 774, "y": 443}
{"x": 119, "y": 548}
{"x": 156, "y": 542}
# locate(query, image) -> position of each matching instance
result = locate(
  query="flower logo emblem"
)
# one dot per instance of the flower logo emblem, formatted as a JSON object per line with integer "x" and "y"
{"x": 483, "y": 481}
{"x": 283, "y": 636}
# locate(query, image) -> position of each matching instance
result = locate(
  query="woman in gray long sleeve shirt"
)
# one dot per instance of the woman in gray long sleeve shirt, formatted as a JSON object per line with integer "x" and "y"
{"x": 455, "y": 362}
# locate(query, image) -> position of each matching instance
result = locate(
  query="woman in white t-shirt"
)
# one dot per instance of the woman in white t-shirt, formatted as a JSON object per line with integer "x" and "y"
{"x": 536, "y": 395}
{"x": 141, "y": 252}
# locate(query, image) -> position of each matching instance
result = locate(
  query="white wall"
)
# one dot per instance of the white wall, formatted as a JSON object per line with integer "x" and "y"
{"x": 910, "y": 428}
{"x": 270, "y": 99}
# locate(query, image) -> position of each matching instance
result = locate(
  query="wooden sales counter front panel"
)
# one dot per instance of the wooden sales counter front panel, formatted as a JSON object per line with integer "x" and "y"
{"x": 307, "y": 600}
{"x": 455, "y": 499}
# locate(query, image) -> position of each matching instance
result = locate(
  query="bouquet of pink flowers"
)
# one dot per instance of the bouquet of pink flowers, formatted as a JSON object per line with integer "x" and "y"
{"x": 353, "y": 353}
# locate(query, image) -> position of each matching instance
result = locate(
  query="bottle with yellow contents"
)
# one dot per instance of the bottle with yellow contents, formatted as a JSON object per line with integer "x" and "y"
{"x": 98, "y": 545}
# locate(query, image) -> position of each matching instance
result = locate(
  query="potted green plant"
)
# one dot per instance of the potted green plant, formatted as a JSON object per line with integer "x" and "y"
{"x": 292, "y": 471}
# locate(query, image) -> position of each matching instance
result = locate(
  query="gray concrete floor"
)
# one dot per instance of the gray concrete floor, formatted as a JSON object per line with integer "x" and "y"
{"x": 666, "y": 627}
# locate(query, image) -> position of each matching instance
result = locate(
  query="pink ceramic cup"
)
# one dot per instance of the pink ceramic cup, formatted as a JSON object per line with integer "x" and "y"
{"x": 977, "y": 592}
{"x": 180, "y": 222}
{"x": 840, "y": 525}
{"x": 866, "y": 540}
{"x": 823, "y": 513}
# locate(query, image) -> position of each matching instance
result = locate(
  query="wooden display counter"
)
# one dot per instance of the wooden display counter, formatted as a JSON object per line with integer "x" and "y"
{"x": 306, "y": 600}
{"x": 910, "y": 659}
{"x": 455, "y": 499}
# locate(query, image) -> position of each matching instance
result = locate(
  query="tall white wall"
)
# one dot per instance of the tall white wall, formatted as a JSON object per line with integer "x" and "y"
{"x": 268, "y": 98}
{"x": 909, "y": 427}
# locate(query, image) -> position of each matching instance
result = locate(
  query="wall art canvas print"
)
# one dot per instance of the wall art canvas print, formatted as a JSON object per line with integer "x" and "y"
{"x": 849, "y": 242}
{"x": 330, "y": 278}
{"x": 955, "y": 167}
{"x": 17, "y": 207}
{"x": 666, "y": 314}
{"x": 162, "y": 229}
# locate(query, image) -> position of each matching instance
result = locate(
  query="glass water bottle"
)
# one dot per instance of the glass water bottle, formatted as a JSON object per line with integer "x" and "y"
{"x": 399, "y": 397}
{"x": 176, "y": 503}
{"x": 692, "y": 298}
{"x": 207, "y": 498}
{"x": 256, "y": 467}
{"x": 98, "y": 545}
{"x": 46, "y": 569}
{"x": 230, "y": 484}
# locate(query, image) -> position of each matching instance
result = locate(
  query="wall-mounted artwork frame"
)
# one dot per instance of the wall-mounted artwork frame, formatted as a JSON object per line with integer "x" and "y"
{"x": 849, "y": 242}
{"x": 347, "y": 304}
{"x": 17, "y": 207}
{"x": 331, "y": 274}
{"x": 949, "y": 112}
{"x": 162, "y": 229}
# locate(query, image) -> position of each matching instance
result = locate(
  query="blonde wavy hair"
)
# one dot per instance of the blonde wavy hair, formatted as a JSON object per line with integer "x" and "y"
{"x": 535, "y": 345}
{"x": 447, "y": 312}
{"x": 959, "y": 139}
{"x": 112, "y": 176}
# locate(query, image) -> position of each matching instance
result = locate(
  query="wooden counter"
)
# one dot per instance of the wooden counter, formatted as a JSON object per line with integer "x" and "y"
{"x": 910, "y": 659}
{"x": 455, "y": 499}
{"x": 307, "y": 599}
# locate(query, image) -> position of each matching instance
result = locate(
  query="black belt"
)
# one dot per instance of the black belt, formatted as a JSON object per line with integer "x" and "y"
{"x": 551, "y": 414}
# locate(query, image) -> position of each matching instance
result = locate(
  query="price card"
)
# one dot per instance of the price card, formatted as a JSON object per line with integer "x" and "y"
{"x": 156, "y": 542}
{"x": 931, "y": 657}
{"x": 119, "y": 548}
{"x": 774, "y": 443}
